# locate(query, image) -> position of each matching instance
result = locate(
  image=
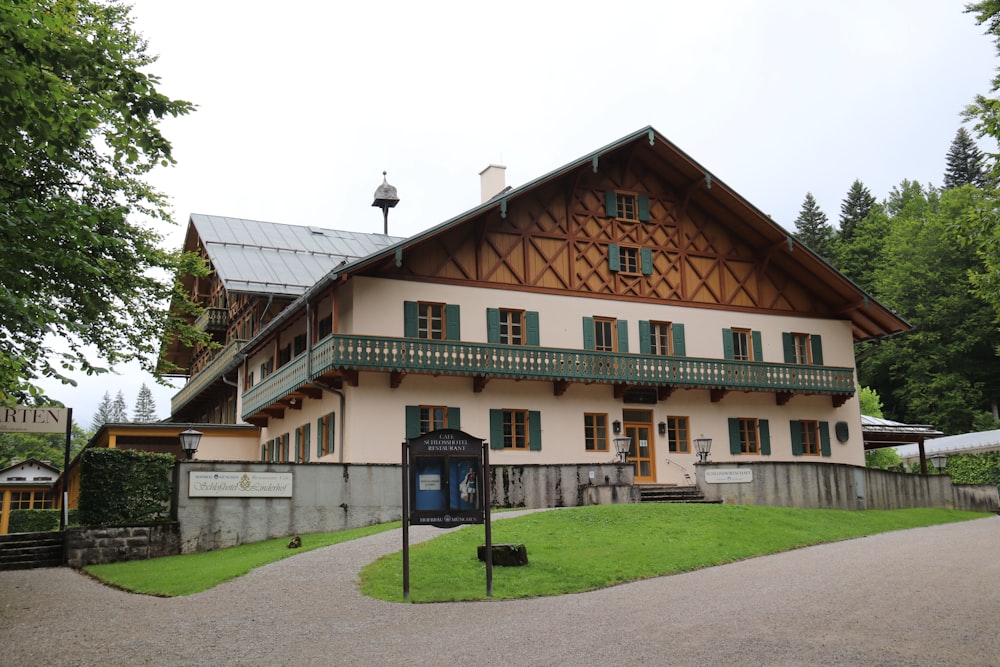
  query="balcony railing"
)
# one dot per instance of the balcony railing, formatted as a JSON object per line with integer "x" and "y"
{"x": 439, "y": 357}
{"x": 223, "y": 360}
{"x": 212, "y": 320}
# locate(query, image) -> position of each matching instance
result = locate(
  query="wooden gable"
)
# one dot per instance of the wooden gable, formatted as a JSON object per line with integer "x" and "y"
{"x": 558, "y": 236}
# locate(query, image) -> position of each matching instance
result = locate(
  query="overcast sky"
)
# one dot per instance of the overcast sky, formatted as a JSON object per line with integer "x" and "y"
{"x": 303, "y": 105}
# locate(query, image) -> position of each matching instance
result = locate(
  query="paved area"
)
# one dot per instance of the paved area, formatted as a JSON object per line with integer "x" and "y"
{"x": 928, "y": 596}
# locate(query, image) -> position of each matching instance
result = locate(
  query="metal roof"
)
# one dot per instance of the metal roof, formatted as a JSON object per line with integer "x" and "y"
{"x": 272, "y": 258}
{"x": 969, "y": 443}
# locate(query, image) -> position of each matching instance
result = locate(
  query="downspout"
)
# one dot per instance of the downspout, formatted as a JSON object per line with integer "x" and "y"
{"x": 312, "y": 382}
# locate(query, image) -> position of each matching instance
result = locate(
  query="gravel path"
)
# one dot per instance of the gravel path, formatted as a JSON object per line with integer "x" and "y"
{"x": 927, "y": 596}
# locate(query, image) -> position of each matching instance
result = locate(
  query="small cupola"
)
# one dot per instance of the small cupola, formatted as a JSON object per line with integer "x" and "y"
{"x": 385, "y": 198}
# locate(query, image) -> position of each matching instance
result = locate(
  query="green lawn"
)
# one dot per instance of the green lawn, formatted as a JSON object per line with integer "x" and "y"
{"x": 569, "y": 550}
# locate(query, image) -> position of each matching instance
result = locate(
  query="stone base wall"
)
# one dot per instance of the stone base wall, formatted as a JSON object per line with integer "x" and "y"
{"x": 95, "y": 546}
{"x": 562, "y": 485}
{"x": 838, "y": 486}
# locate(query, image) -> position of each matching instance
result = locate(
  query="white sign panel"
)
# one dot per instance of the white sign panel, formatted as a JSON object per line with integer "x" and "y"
{"x": 728, "y": 475}
{"x": 429, "y": 482}
{"x": 21, "y": 419}
{"x": 208, "y": 483}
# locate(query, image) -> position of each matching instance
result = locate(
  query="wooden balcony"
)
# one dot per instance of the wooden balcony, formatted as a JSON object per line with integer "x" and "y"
{"x": 213, "y": 320}
{"x": 346, "y": 355}
{"x": 223, "y": 360}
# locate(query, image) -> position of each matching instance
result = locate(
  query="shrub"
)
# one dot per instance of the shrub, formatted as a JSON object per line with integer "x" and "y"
{"x": 122, "y": 487}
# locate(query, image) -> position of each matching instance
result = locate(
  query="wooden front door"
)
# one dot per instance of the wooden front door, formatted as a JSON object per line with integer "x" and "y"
{"x": 639, "y": 427}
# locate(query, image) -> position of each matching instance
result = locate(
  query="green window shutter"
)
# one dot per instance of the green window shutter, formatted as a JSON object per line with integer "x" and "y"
{"x": 410, "y": 319}
{"x": 333, "y": 432}
{"x": 452, "y": 322}
{"x": 611, "y": 203}
{"x": 614, "y": 257}
{"x": 734, "y": 435}
{"x": 764, "y": 432}
{"x": 307, "y": 434}
{"x": 496, "y": 428}
{"x": 263, "y": 452}
{"x": 817, "y": 349}
{"x": 824, "y": 438}
{"x": 412, "y": 421}
{"x": 455, "y": 418}
{"x": 298, "y": 442}
{"x": 643, "y": 203}
{"x": 645, "y": 344}
{"x": 646, "y": 257}
{"x": 588, "y": 333}
{"x": 727, "y": 344}
{"x": 319, "y": 437}
{"x": 622, "y": 327}
{"x": 492, "y": 325}
{"x": 534, "y": 430}
{"x": 531, "y": 327}
{"x": 796, "y": 430}
{"x": 758, "y": 348}
{"x": 788, "y": 344}
{"x": 680, "y": 349}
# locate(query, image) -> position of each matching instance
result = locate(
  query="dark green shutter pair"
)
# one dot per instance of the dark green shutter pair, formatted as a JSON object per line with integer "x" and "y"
{"x": 816, "y": 342}
{"x": 493, "y": 326}
{"x": 611, "y": 205}
{"x": 729, "y": 351}
{"x": 534, "y": 430}
{"x": 413, "y": 420}
{"x": 589, "y": 342}
{"x": 330, "y": 431}
{"x": 763, "y": 432}
{"x": 646, "y": 342}
{"x": 645, "y": 259}
{"x": 302, "y": 444}
{"x": 824, "y": 438}
{"x": 452, "y": 320}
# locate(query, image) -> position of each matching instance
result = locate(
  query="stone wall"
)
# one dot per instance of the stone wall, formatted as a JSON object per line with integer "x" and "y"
{"x": 837, "y": 486}
{"x": 94, "y": 546}
{"x": 330, "y": 496}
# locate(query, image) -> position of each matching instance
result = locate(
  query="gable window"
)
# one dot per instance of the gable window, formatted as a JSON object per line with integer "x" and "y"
{"x": 630, "y": 260}
{"x": 748, "y": 435}
{"x": 626, "y": 206}
{"x": 431, "y": 321}
{"x": 810, "y": 438}
{"x": 515, "y": 429}
{"x": 605, "y": 334}
{"x": 325, "y": 434}
{"x": 678, "y": 435}
{"x": 802, "y": 348}
{"x": 595, "y": 432}
{"x": 742, "y": 345}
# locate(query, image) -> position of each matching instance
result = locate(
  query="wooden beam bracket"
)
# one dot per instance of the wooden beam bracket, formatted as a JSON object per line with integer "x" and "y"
{"x": 719, "y": 394}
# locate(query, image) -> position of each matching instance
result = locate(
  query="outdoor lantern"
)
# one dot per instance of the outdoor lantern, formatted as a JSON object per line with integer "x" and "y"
{"x": 703, "y": 446}
{"x": 939, "y": 461}
{"x": 622, "y": 445}
{"x": 190, "y": 439}
{"x": 616, "y": 426}
{"x": 662, "y": 427}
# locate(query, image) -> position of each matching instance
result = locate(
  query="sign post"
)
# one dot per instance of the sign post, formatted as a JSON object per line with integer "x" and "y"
{"x": 22, "y": 419}
{"x": 445, "y": 484}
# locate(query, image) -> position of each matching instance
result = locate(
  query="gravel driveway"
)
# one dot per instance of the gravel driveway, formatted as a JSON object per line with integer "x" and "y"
{"x": 927, "y": 596}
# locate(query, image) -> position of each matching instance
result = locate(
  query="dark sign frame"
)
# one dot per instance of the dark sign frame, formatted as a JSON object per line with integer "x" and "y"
{"x": 446, "y": 484}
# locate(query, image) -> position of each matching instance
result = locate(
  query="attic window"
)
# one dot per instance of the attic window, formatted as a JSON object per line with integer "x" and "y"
{"x": 626, "y": 206}
{"x": 317, "y": 231}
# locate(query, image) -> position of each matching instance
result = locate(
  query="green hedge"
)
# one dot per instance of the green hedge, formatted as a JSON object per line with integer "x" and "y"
{"x": 123, "y": 487}
{"x": 33, "y": 521}
{"x": 974, "y": 468}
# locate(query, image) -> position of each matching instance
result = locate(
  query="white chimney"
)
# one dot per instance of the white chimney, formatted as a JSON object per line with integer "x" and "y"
{"x": 492, "y": 181}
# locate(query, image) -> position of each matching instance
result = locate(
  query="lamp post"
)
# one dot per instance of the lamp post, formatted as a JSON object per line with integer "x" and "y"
{"x": 703, "y": 446}
{"x": 190, "y": 439}
{"x": 622, "y": 445}
{"x": 940, "y": 462}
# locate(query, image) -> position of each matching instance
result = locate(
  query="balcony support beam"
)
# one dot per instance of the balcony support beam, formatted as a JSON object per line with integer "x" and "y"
{"x": 719, "y": 394}
{"x": 663, "y": 393}
{"x": 559, "y": 387}
{"x": 396, "y": 378}
{"x": 782, "y": 397}
{"x": 479, "y": 383}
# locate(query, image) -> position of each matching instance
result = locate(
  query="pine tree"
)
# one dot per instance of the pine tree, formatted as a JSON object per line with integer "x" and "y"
{"x": 119, "y": 410}
{"x": 103, "y": 414}
{"x": 813, "y": 228}
{"x": 145, "y": 406}
{"x": 856, "y": 206}
{"x": 965, "y": 162}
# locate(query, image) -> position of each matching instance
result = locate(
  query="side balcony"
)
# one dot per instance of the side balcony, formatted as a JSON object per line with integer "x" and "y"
{"x": 224, "y": 361}
{"x": 344, "y": 356}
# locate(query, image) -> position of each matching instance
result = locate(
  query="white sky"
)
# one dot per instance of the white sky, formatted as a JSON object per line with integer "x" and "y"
{"x": 302, "y": 105}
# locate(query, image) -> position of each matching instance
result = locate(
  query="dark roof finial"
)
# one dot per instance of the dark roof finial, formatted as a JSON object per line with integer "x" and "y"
{"x": 385, "y": 198}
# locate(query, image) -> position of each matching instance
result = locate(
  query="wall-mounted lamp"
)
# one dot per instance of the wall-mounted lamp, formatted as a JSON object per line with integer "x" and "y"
{"x": 622, "y": 446}
{"x": 703, "y": 446}
{"x": 616, "y": 427}
{"x": 190, "y": 439}
{"x": 662, "y": 428}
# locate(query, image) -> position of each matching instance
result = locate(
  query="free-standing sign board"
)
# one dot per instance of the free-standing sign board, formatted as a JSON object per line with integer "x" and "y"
{"x": 445, "y": 484}
{"x": 22, "y": 419}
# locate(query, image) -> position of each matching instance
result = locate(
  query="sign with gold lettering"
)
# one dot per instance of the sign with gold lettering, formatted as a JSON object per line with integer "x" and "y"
{"x": 217, "y": 484}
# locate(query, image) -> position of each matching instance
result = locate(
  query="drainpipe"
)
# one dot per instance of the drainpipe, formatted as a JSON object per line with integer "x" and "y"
{"x": 323, "y": 387}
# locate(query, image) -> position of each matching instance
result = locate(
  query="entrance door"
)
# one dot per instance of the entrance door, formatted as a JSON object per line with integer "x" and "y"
{"x": 639, "y": 427}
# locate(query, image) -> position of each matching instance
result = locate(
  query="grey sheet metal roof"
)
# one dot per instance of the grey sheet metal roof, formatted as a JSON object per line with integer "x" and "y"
{"x": 968, "y": 443}
{"x": 271, "y": 258}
